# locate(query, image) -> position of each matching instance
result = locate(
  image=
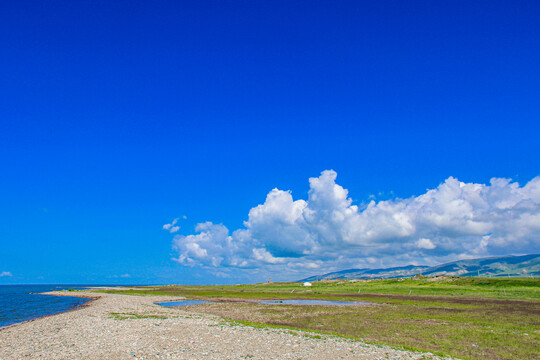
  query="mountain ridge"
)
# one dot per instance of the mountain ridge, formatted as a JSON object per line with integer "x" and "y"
{"x": 496, "y": 266}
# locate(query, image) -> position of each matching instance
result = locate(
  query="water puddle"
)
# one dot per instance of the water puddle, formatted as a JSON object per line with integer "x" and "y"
{"x": 268, "y": 302}
{"x": 311, "y": 302}
{"x": 182, "y": 303}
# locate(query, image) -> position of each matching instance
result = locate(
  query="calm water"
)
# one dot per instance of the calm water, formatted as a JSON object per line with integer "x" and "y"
{"x": 309, "y": 302}
{"x": 181, "y": 303}
{"x": 17, "y": 303}
{"x": 268, "y": 302}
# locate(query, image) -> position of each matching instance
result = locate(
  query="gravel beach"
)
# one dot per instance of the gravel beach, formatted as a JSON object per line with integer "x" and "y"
{"x": 132, "y": 327}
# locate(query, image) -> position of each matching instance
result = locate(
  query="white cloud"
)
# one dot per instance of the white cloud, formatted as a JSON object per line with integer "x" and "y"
{"x": 171, "y": 227}
{"x": 328, "y": 231}
{"x": 424, "y": 243}
{"x": 265, "y": 257}
{"x": 5, "y": 274}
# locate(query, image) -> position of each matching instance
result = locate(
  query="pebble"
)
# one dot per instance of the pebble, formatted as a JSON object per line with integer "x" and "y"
{"x": 92, "y": 332}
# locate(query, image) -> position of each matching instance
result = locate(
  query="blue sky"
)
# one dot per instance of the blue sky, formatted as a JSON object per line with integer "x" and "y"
{"x": 118, "y": 117}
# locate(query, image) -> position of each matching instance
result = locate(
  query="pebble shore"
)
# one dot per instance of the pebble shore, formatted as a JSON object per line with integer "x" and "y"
{"x": 132, "y": 327}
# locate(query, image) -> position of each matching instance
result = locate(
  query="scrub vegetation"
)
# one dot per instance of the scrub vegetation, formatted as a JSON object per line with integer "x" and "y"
{"x": 470, "y": 318}
{"x": 126, "y": 316}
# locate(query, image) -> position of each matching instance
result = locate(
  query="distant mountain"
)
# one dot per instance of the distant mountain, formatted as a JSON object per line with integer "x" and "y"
{"x": 402, "y": 271}
{"x": 524, "y": 265}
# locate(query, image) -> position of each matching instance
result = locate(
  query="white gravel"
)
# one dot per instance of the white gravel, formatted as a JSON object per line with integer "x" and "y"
{"x": 94, "y": 332}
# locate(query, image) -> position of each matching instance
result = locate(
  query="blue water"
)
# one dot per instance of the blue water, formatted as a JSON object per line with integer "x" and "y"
{"x": 182, "y": 303}
{"x": 17, "y": 303}
{"x": 309, "y": 302}
{"x": 268, "y": 302}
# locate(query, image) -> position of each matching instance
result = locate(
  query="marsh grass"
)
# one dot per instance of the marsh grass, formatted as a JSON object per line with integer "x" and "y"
{"x": 494, "y": 331}
{"x": 493, "y": 288}
{"x": 470, "y": 318}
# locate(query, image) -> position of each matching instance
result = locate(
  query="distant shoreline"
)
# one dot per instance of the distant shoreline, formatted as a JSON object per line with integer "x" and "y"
{"x": 52, "y": 293}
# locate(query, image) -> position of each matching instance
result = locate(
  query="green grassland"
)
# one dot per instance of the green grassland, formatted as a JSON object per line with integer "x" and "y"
{"x": 470, "y": 318}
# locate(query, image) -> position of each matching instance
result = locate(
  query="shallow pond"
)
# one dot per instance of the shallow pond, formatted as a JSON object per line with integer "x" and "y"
{"x": 182, "y": 303}
{"x": 268, "y": 302}
{"x": 310, "y": 302}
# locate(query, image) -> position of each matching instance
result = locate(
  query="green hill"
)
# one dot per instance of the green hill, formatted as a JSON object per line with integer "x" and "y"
{"x": 513, "y": 266}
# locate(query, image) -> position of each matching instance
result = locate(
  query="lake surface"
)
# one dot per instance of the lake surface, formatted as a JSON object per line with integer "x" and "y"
{"x": 310, "y": 302}
{"x": 182, "y": 303}
{"x": 18, "y": 303}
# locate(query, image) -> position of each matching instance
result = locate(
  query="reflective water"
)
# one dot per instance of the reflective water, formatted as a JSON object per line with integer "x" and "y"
{"x": 310, "y": 302}
{"x": 267, "y": 302}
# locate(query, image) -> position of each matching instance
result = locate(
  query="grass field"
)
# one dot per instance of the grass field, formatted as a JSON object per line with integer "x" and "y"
{"x": 470, "y": 318}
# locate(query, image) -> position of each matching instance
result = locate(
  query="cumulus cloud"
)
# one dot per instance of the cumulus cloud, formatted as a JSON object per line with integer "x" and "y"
{"x": 5, "y": 274}
{"x": 172, "y": 227}
{"x": 454, "y": 220}
{"x": 424, "y": 243}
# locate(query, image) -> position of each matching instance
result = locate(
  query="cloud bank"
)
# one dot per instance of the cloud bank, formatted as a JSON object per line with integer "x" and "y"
{"x": 327, "y": 231}
{"x": 5, "y": 274}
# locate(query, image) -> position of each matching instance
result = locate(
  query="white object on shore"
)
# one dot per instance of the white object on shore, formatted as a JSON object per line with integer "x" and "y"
{"x": 306, "y": 284}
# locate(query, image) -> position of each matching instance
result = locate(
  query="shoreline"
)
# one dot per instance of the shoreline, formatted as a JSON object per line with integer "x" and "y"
{"x": 71, "y": 308}
{"x": 112, "y": 326}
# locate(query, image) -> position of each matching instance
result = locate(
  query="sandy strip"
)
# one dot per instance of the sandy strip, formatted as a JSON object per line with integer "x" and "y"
{"x": 142, "y": 330}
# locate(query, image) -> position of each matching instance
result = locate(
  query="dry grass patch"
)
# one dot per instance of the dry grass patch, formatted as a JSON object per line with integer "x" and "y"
{"x": 126, "y": 316}
{"x": 504, "y": 330}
